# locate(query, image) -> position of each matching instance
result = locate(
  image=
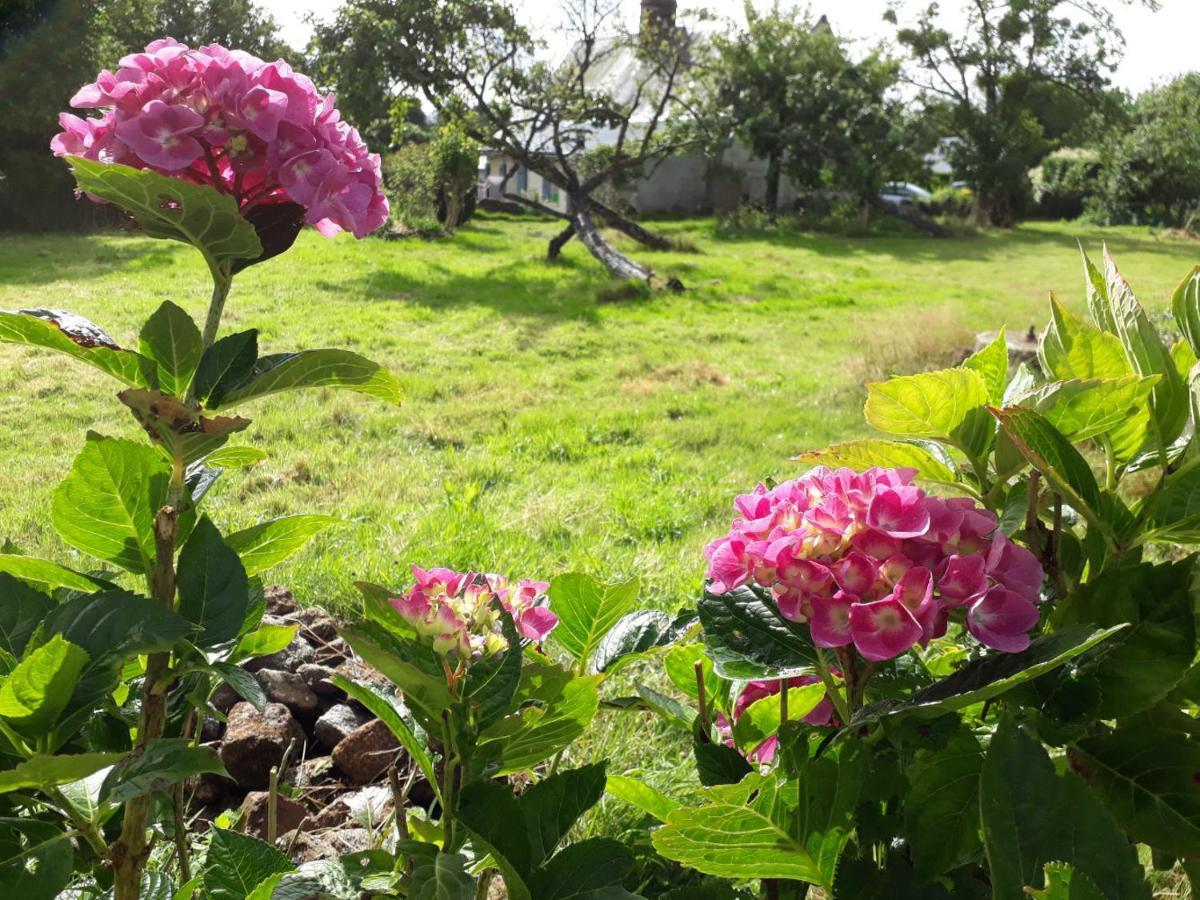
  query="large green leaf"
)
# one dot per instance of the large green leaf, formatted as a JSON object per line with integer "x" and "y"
{"x": 991, "y": 675}
{"x": 761, "y": 719}
{"x": 166, "y": 207}
{"x": 36, "y": 692}
{"x": 769, "y": 827}
{"x": 106, "y": 505}
{"x": 491, "y": 683}
{"x": 1140, "y": 666}
{"x": 263, "y": 546}
{"x": 1185, "y": 305}
{"x": 991, "y": 362}
{"x": 1147, "y": 779}
{"x": 161, "y": 764}
{"x": 1031, "y": 816}
{"x": 587, "y": 609}
{"x": 214, "y": 591}
{"x": 64, "y": 332}
{"x": 635, "y": 635}
{"x": 941, "y": 806}
{"x": 1172, "y": 513}
{"x": 589, "y": 870}
{"x": 747, "y": 638}
{"x": 928, "y": 405}
{"x": 22, "y": 609}
{"x": 224, "y": 365}
{"x": 637, "y": 793}
{"x": 113, "y": 625}
{"x": 237, "y": 864}
{"x": 310, "y": 369}
{"x": 383, "y": 709}
{"x": 36, "y": 858}
{"x": 1064, "y": 883}
{"x": 44, "y": 572}
{"x": 263, "y": 641}
{"x": 1085, "y": 408}
{"x": 43, "y": 770}
{"x": 410, "y": 665}
{"x": 863, "y": 454}
{"x": 172, "y": 340}
{"x": 442, "y": 877}
{"x": 1071, "y": 348}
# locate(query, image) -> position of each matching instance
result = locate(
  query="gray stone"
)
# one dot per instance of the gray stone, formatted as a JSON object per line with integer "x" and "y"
{"x": 255, "y": 742}
{"x": 336, "y": 724}
{"x": 312, "y": 846}
{"x": 289, "y": 659}
{"x": 224, "y": 698}
{"x": 317, "y": 677}
{"x": 287, "y": 688}
{"x": 365, "y": 753}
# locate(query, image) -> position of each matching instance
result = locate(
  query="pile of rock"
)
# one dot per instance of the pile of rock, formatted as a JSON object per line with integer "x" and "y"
{"x": 335, "y": 795}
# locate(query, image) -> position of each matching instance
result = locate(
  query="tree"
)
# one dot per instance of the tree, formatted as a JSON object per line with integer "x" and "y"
{"x": 597, "y": 116}
{"x": 455, "y": 161}
{"x": 993, "y": 73}
{"x": 1151, "y": 166}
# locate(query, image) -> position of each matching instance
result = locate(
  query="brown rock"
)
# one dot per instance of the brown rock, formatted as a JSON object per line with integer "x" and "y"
{"x": 336, "y": 724}
{"x": 312, "y": 846}
{"x": 288, "y": 814}
{"x": 317, "y": 677}
{"x": 224, "y": 698}
{"x": 287, "y": 688}
{"x": 255, "y": 742}
{"x": 358, "y": 671}
{"x": 311, "y": 772}
{"x": 365, "y": 753}
{"x": 289, "y": 659}
{"x": 209, "y": 788}
{"x": 334, "y": 653}
{"x": 315, "y": 624}
{"x": 280, "y": 601}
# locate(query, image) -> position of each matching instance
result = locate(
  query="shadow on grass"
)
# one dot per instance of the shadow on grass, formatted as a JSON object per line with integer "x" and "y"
{"x": 44, "y": 258}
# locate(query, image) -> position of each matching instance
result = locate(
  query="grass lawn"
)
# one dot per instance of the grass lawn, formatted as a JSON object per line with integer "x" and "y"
{"x": 545, "y": 430}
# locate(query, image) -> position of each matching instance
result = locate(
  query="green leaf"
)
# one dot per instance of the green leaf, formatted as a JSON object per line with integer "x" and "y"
{"x": 991, "y": 675}
{"x": 64, "y": 332}
{"x": 635, "y": 635}
{"x": 36, "y": 692}
{"x": 263, "y": 641}
{"x": 716, "y": 763}
{"x": 237, "y": 864}
{"x": 1185, "y": 305}
{"x": 864, "y": 454}
{"x": 668, "y": 708}
{"x": 991, "y": 363}
{"x": 172, "y": 340}
{"x": 1023, "y": 804}
{"x": 214, "y": 591}
{"x": 928, "y": 405}
{"x": 1082, "y": 409}
{"x": 1071, "y": 348}
{"x": 42, "y": 771}
{"x": 381, "y": 707}
{"x": 587, "y": 610}
{"x": 36, "y": 858}
{"x": 1147, "y": 779}
{"x": 1147, "y": 353}
{"x": 589, "y": 870}
{"x": 1096, "y": 292}
{"x": 769, "y": 827}
{"x": 1172, "y": 513}
{"x": 106, "y": 505}
{"x": 224, "y": 365}
{"x": 941, "y": 806}
{"x": 680, "y": 667}
{"x": 1059, "y": 462}
{"x": 491, "y": 683}
{"x": 161, "y": 764}
{"x": 116, "y": 624}
{"x": 747, "y": 638}
{"x": 410, "y": 665}
{"x": 235, "y": 457}
{"x": 22, "y": 610}
{"x": 555, "y": 709}
{"x": 1064, "y": 883}
{"x": 157, "y": 885}
{"x": 761, "y": 719}
{"x": 166, "y": 207}
{"x": 637, "y": 793}
{"x": 243, "y": 682}
{"x": 442, "y": 878}
{"x": 263, "y": 546}
{"x": 310, "y": 369}
{"x": 44, "y": 572}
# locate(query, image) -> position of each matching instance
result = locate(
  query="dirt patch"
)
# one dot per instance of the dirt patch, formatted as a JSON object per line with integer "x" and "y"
{"x": 689, "y": 375}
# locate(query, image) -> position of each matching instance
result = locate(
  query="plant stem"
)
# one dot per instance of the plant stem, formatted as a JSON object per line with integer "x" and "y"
{"x": 86, "y": 828}
{"x": 831, "y": 688}
{"x": 222, "y": 281}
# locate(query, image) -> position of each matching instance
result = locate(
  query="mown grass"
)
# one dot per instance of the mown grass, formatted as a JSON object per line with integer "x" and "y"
{"x": 544, "y": 430}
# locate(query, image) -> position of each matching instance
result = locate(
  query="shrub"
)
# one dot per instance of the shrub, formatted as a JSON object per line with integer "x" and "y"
{"x": 1065, "y": 181}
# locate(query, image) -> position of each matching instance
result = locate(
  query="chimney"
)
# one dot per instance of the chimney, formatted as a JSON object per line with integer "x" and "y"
{"x": 658, "y": 18}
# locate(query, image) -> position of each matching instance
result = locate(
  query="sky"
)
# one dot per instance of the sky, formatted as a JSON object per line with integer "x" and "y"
{"x": 1158, "y": 45}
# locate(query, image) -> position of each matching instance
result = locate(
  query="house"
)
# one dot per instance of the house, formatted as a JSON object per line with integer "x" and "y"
{"x": 684, "y": 184}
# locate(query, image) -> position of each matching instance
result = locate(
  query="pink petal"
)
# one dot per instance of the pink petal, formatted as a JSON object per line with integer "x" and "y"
{"x": 1002, "y": 619}
{"x": 830, "y": 622}
{"x": 883, "y": 629}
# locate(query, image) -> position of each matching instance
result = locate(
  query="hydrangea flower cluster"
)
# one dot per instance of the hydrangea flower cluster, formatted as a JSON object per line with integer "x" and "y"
{"x": 258, "y": 131}
{"x": 821, "y": 714}
{"x": 456, "y": 612}
{"x": 870, "y": 559}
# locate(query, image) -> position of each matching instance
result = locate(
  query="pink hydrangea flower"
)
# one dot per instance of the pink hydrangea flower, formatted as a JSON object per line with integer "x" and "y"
{"x": 255, "y": 130}
{"x": 868, "y": 559}
{"x": 456, "y": 613}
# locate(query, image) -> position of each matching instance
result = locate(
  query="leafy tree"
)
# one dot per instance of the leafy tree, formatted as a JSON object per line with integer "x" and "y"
{"x": 455, "y": 161}
{"x": 570, "y": 122}
{"x": 996, "y": 71}
{"x": 1152, "y": 166}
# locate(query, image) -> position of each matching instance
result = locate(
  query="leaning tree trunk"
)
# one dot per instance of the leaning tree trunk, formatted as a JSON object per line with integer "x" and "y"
{"x": 618, "y": 264}
{"x": 771, "y": 197}
{"x": 629, "y": 228}
{"x": 559, "y": 241}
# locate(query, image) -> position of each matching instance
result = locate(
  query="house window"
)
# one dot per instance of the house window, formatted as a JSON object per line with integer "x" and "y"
{"x": 503, "y": 169}
{"x": 548, "y": 191}
{"x": 522, "y": 179}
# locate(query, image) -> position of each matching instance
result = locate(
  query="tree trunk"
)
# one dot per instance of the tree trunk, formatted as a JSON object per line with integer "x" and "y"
{"x": 643, "y": 236}
{"x": 618, "y": 264}
{"x": 559, "y": 240}
{"x": 453, "y": 211}
{"x": 771, "y": 198}
{"x": 864, "y": 213}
